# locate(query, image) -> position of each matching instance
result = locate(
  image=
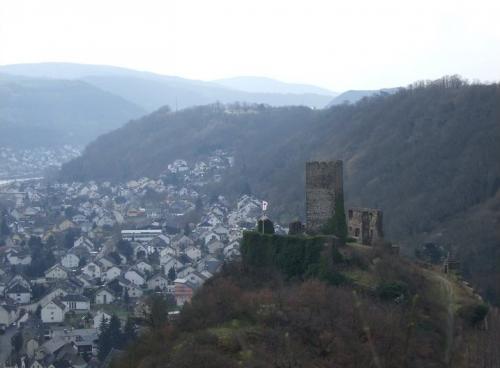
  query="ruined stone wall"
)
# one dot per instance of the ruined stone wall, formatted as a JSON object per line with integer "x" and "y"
{"x": 324, "y": 183}
{"x": 365, "y": 225}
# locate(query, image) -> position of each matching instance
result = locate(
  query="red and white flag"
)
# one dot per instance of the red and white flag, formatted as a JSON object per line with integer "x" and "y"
{"x": 264, "y": 205}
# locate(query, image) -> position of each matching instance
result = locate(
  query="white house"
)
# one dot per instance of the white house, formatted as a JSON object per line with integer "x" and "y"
{"x": 104, "y": 296}
{"x": 53, "y": 312}
{"x": 215, "y": 246}
{"x": 134, "y": 291}
{"x": 159, "y": 243}
{"x": 92, "y": 270}
{"x": 184, "y": 271}
{"x": 140, "y": 250}
{"x": 31, "y": 346}
{"x": 183, "y": 242}
{"x": 112, "y": 273}
{"x": 220, "y": 230}
{"x": 19, "y": 279}
{"x": 19, "y": 294}
{"x": 196, "y": 278}
{"x": 57, "y": 292}
{"x": 144, "y": 267}
{"x": 211, "y": 236}
{"x": 158, "y": 281}
{"x": 105, "y": 263}
{"x": 193, "y": 253}
{"x": 70, "y": 261}
{"x": 167, "y": 251}
{"x": 76, "y": 303}
{"x": 85, "y": 242}
{"x": 135, "y": 277}
{"x": 57, "y": 272}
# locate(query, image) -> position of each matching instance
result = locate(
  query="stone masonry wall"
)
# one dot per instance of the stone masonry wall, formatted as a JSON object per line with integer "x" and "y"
{"x": 324, "y": 183}
{"x": 365, "y": 225}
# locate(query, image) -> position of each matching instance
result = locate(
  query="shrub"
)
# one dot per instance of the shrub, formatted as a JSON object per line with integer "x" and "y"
{"x": 392, "y": 290}
{"x": 474, "y": 314}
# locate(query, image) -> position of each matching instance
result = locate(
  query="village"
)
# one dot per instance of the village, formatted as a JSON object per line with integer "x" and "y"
{"x": 73, "y": 255}
{"x": 33, "y": 162}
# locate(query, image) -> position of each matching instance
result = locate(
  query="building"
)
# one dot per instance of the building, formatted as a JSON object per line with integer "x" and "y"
{"x": 104, "y": 296}
{"x": 135, "y": 277}
{"x": 324, "y": 185}
{"x": 53, "y": 312}
{"x": 70, "y": 261}
{"x": 365, "y": 225}
{"x": 19, "y": 294}
{"x": 142, "y": 236}
{"x": 92, "y": 270}
{"x": 184, "y": 290}
{"x": 76, "y": 303}
{"x": 57, "y": 272}
{"x": 158, "y": 281}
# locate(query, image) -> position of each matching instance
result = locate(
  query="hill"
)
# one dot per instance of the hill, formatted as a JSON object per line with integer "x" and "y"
{"x": 379, "y": 311}
{"x": 268, "y": 85}
{"x": 151, "y": 91}
{"x": 43, "y": 112}
{"x": 425, "y": 155}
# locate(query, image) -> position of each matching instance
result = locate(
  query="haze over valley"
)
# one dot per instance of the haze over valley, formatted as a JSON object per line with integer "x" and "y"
{"x": 249, "y": 184}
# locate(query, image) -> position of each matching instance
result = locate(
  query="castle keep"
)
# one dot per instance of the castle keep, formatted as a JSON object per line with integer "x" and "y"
{"x": 324, "y": 183}
{"x": 365, "y": 225}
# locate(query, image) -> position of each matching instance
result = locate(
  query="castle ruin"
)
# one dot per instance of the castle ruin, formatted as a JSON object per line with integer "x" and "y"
{"x": 324, "y": 184}
{"x": 365, "y": 225}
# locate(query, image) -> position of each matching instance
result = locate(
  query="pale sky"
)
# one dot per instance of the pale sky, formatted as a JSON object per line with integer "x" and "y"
{"x": 348, "y": 44}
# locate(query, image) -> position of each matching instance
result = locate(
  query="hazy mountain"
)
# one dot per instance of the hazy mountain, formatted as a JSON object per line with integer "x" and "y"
{"x": 154, "y": 93}
{"x": 424, "y": 155}
{"x": 46, "y": 112}
{"x": 151, "y": 91}
{"x": 268, "y": 85}
{"x": 354, "y": 96}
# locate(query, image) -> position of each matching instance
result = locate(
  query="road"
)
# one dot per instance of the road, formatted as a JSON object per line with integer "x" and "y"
{"x": 5, "y": 345}
{"x": 449, "y": 296}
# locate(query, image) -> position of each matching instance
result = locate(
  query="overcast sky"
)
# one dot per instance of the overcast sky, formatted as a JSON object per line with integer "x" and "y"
{"x": 348, "y": 44}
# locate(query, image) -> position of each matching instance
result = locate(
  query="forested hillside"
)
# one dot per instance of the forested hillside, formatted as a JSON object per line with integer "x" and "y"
{"x": 427, "y": 155}
{"x": 380, "y": 311}
{"x": 43, "y": 112}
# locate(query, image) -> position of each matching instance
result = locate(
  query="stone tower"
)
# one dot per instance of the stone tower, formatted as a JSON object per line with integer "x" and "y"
{"x": 324, "y": 183}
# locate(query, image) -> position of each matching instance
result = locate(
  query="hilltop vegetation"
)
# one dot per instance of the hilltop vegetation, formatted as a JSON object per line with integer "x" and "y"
{"x": 426, "y": 155}
{"x": 385, "y": 313}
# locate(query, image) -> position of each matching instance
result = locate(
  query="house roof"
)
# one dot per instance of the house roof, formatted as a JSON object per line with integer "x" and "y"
{"x": 104, "y": 288}
{"x": 74, "y": 298}
{"x": 18, "y": 289}
{"x": 56, "y": 302}
{"x": 57, "y": 266}
{"x": 158, "y": 274}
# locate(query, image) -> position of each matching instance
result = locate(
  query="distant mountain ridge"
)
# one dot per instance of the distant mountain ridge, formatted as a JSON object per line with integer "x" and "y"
{"x": 151, "y": 91}
{"x": 354, "y": 96}
{"x": 268, "y": 85}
